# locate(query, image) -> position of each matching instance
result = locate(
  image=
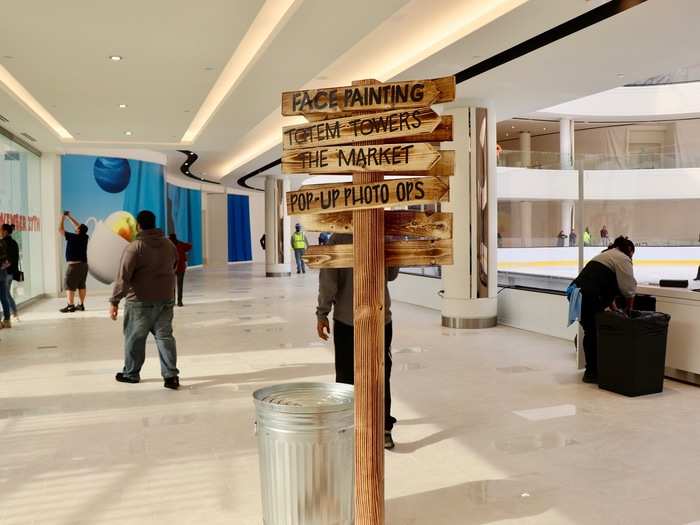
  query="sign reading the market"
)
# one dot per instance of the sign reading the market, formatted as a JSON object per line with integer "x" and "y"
{"x": 328, "y": 198}
{"x": 348, "y": 159}
{"x": 366, "y": 98}
{"x": 415, "y": 123}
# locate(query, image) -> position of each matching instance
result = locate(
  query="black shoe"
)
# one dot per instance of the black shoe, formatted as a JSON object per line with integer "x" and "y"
{"x": 298, "y": 272}
{"x": 180, "y": 304}
{"x": 172, "y": 382}
{"x": 590, "y": 378}
{"x": 80, "y": 308}
{"x": 69, "y": 309}
{"x": 124, "y": 379}
{"x": 388, "y": 440}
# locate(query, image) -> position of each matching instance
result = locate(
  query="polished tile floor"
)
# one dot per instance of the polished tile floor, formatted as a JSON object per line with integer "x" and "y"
{"x": 495, "y": 426}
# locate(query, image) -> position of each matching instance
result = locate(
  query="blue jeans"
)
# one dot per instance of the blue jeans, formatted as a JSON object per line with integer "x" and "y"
{"x": 141, "y": 319}
{"x": 10, "y": 299}
{"x": 5, "y": 294}
{"x": 300, "y": 262}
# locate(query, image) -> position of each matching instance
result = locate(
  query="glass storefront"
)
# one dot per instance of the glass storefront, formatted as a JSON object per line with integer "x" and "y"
{"x": 20, "y": 204}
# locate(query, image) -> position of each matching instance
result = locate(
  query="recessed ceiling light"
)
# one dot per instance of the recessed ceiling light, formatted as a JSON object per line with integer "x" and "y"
{"x": 544, "y": 129}
{"x": 115, "y": 58}
{"x": 127, "y": 133}
{"x": 507, "y": 134}
{"x": 9, "y": 57}
{"x": 620, "y": 75}
{"x": 122, "y": 106}
{"x": 512, "y": 127}
{"x": 208, "y": 68}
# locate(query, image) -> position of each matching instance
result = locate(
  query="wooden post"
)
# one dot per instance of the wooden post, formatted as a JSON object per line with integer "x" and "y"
{"x": 368, "y": 304}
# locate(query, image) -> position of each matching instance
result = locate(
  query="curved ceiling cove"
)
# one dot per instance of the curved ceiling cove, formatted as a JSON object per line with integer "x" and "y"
{"x": 185, "y": 169}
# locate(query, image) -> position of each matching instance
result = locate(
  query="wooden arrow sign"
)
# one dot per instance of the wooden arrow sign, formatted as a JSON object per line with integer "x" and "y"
{"x": 329, "y": 198}
{"x": 372, "y": 97}
{"x": 349, "y": 159}
{"x": 400, "y": 253}
{"x": 397, "y": 223}
{"x": 376, "y": 126}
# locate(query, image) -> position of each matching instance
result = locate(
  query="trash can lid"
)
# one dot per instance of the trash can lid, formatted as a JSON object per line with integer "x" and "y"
{"x": 306, "y": 397}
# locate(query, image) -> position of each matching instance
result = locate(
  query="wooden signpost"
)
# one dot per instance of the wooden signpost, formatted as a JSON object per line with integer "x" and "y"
{"x": 370, "y": 129}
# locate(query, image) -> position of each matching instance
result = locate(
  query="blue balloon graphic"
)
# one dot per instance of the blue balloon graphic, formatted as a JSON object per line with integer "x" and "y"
{"x": 112, "y": 174}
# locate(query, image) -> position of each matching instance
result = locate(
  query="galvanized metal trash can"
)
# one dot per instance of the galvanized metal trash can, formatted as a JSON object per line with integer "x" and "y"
{"x": 306, "y": 445}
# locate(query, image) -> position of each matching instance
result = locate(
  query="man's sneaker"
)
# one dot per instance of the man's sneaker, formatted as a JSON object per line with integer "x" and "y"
{"x": 6, "y": 323}
{"x": 80, "y": 308}
{"x": 172, "y": 382}
{"x": 124, "y": 379}
{"x": 590, "y": 377}
{"x": 68, "y": 309}
{"x": 388, "y": 440}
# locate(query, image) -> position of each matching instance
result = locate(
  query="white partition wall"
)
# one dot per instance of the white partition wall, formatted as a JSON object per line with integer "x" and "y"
{"x": 216, "y": 231}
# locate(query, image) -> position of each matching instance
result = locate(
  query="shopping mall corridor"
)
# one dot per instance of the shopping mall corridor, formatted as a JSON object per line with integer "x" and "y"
{"x": 495, "y": 425}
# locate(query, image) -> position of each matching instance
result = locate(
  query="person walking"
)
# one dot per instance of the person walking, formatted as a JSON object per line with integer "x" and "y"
{"x": 335, "y": 293}
{"x": 604, "y": 240}
{"x": 76, "y": 257}
{"x": 4, "y": 265}
{"x": 299, "y": 244}
{"x": 146, "y": 278}
{"x": 12, "y": 272}
{"x": 606, "y": 276}
{"x": 323, "y": 238}
{"x": 572, "y": 237}
{"x": 182, "y": 249}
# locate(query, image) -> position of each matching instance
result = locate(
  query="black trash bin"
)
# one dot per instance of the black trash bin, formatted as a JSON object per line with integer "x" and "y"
{"x": 632, "y": 352}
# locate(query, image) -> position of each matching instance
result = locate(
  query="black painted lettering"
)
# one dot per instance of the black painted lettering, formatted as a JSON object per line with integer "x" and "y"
{"x": 356, "y": 98}
{"x": 416, "y": 119}
{"x": 333, "y": 99}
{"x": 366, "y": 128}
{"x": 420, "y": 192}
{"x": 404, "y": 119}
{"x": 384, "y": 193}
{"x": 296, "y": 103}
{"x": 334, "y": 196}
{"x": 347, "y": 192}
{"x": 347, "y": 97}
{"x": 361, "y": 159}
{"x": 325, "y": 204}
{"x": 372, "y": 157}
{"x": 401, "y": 191}
{"x": 406, "y": 150}
{"x": 409, "y": 190}
{"x": 354, "y": 124}
{"x": 346, "y": 160}
{"x": 333, "y": 131}
{"x": 323, "y": 158}
{"x": 401, "y": 96}
{"x": 289, "y": 136}
{"x": 367, "y": 194}
{"x": 306, "y": 100}
{"x": 293, "y": 200}
{"x": 417, "y": 92}
{"x": 375, "y": 96}
{"x": 318, "y": 100}
{"x": 385, "y": 156}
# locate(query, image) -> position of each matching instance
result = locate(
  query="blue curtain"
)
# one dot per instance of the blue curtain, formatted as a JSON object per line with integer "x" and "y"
{"x": 239, "y": 247}
{"x": 146, "y": 190}
{"x": 185, "y": 219}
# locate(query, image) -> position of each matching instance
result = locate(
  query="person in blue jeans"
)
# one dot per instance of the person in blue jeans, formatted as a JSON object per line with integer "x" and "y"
{"x": 299, "y": 245}
{"x": 146, "y": 278}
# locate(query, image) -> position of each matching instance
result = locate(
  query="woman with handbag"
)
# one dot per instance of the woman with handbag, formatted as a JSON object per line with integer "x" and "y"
{"x": 12, "y": 271}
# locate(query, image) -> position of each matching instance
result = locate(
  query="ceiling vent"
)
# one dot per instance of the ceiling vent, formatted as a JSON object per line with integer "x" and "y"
{"x": 3, "y": 119}
{"x": 28, "y": 137}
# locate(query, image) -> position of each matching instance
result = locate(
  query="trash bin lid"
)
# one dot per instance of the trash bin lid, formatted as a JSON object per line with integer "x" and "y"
{"x": 305, "y": 397}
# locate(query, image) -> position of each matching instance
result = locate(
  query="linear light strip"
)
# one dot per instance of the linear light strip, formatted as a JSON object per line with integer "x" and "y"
{"x": 363, "y": 61}
{"x": 261, "y": 32}
{"x": 18, "y": 90}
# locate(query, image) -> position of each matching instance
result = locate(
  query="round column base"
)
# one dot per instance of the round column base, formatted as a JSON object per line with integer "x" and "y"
{"x": 278, "y": 274}
{"x": 469, "y": 324}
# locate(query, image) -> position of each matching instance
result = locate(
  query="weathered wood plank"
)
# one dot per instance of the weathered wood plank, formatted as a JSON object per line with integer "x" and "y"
{"x": 399, "y": 253}
{"x": 442, "y": 133}
{"x": 369, "y": 97}
{"x": 397, "y": 223}
{"x": 349, "y": 130}
{"x": 352, "y": 159}
{"x": 329, "y": 198}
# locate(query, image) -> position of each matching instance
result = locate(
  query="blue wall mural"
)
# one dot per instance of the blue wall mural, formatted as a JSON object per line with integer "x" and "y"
{"x": 106, "y": 194}
{"x": 239, "y": 247}
{"x": 185, "y": 219}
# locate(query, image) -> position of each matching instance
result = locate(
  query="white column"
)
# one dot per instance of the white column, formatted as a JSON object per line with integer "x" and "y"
{"x": 525, "y": 149}
{"x": 469, "y": 298}
{"x": 50, "y": 212}
{"x": 567, "y": 210}
{"x": 566, "y": 143}
{"x": 277, "y": 228}
{"x": 526, "y": 224}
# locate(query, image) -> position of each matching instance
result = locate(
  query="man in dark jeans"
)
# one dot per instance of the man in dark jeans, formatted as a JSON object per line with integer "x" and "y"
{"x": 76, "y": 259}
{"x": 335, "y": 292}
{"x": 147, "y": 279}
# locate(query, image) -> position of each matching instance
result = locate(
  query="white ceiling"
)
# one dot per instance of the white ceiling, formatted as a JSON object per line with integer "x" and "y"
{"x": 60, "y": 52}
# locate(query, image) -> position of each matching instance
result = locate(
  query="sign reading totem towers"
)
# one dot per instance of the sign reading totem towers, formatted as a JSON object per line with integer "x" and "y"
{"x": 371, "y": 129}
